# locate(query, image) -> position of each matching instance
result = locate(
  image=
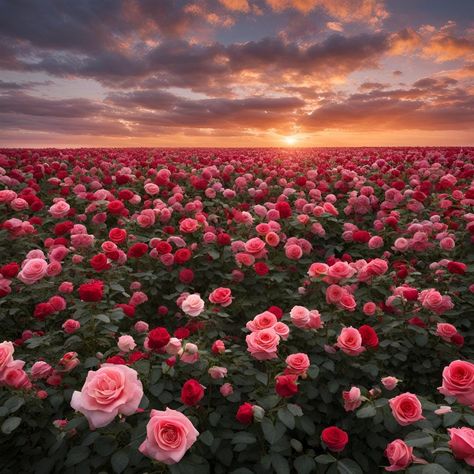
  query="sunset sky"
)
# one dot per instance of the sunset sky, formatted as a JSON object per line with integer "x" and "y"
{"x": 236, "y": 72}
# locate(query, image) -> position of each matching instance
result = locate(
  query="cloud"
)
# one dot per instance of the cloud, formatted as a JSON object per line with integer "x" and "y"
{"x": 335, "y": 26}
{"x": 236, "y": 5}
{"x": 445, "y": 47}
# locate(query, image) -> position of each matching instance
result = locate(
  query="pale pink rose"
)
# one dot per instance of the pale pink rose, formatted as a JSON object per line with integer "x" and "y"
{"x": 126, "y": 343}
{"x": 297, "y": 363}
{"x": 446, "y": 331}
{"x": 352, "y": 399}
{"x": 399, "y": 455}
{"x": 447, "y": 243}
{"x": 107, "y": 392}
{"x": 462, "y": 444}
{"x": 193, "y": 305}
{"x": 41, "y": 370}
{"x": 69, "y": 361}
{"x": 70, "y": 326}
{"x": 369, "y": 308}
{"x": 190, "y": 354}
{"x": 458, "y": 381}
{"x": 54, "y": 268}
{"x": 315, "y": 321}
{"x": 141, "y": 326}
{"x": 188, "y": 225}
{"x": 19, "y": 204}
{"x": 406, "y": 409}
{"x": 33, "y": 270}
{"x": 263, "y": 344}
{"x": 217, "y": 372}
{"x": 293, "y": 252}
{"x": 59, "y": 209}
{"x": 6, "y": 354}
{"x": 375, "y": 242}
{"x": 389, "y": 382}
{"x": 226, "y": 390}
{"x": 146, "y": 218}
{"x": 82, "y": 240}
{"x": 334, "y": 293}
{"x": 300, "y": 316}
{"x": 169, "y": 435}
{"x": 350, "y": 341}
{"x": 174, "y": 346}
{"x": 167, "y": 259}
{"x": 152, "y": 189}
{"x": 318, "y": 269}
{"x": 282, "y": 330}
{"x": 433, "y": 300}
{"x": 262, "y": 321}
{"x": 401, "y": 244}
{"x": 221, "y": 296}
{"x": 5, "y": 286}
{"x": 340, "y": 270}
{"x": 138, "y": 298}
{"x": 443, "y": 409}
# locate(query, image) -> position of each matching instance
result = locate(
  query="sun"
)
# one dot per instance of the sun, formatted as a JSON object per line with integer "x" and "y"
{"x": 290, "y": 140}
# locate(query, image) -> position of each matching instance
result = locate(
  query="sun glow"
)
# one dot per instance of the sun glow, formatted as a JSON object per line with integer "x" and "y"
{"x": 290, "y": 140}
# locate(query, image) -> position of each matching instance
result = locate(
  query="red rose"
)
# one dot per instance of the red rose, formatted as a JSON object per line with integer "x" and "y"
{"x": 163, "y": 247}
{"x": 416, "y": 321}
{"x": 245, "y": 414}
{"x": 125, "y": 194}
{"x": 158, "y": 338}
{"x": 135, "y": 356}
{"x": 261, "y": 268}
{"x": 117, "y": 235}
{"x": 369, "y": 336}
{"x": 223, "y": 239}
{"x": 115, "y": 207}
{"x": 410, "y": 294}
{"x": 457, "y": 268}
{"x": 182, "y": 333}
{"x": 192, "y": 392}
{"x": 186, "y": 275}
{"x": 63, "y": 227}
{"x": 10, "y": 270}
{"x": 277, "y": 311}
{"x": 284, "y": 209}
{"x": 360, "y": 236}
{"x": 99, "y": 262}
{"x": 116, "y": 359}
{"x": 458, "y": 340}
{"x": 181, "y": 256}
{"x": 128, "y": 309}
{"x": 91, "y": 291}
{"x": 286, "y": 385}
{"x": 335, "y": 438}
{"x": 43, "y": 310}
{"x": 137, "y": 250}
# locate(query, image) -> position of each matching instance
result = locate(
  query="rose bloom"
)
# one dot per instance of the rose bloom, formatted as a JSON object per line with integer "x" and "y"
{"x": 6, "y": 354}
{"x": 126, "y": 343}
{"x": 263, "y": 320}
{"x": 263, "y": 344}
{"x": 335, "y": 438}
{"x": 70, "y": 326}
{"x": 188, "y": 225}
{"x": 462, "y": 444}
{"x": 297, "y": 364}
{"x": 41, "y": 370}
{"x": 282, "y": 330}
{"x": 192, "y": 392}
{"x": 318, "y": 269}
{"x": 458, "y": 381}
{"x": 218, "y": 347}
{"x": 369, "y": 308}
{"x": 350, "y": 341}
{"x": 446, "y": 331}
{"x": 406, "y": 409}
{"x": 245, "y": 414}
{"x": 293, "y": 252}
{"x": 399, "y": 455}
{"x": 217, "y": 372}
{"x": 226, "y": 389}
{"x": 341, "y": 270}
{"x": 193, "y": 305}
{"x": 286, "y": 385}
{"x": 352, "y": 399}
{"x": 389, "y": 382}
{"x": 33, "y": 270}
{"x": 300, "y": 316}
{"x": 222, "y": 296}
{"x": 59, "y": 209}
{"x": 169, "y": 434}
{"x": 111, "y": 390}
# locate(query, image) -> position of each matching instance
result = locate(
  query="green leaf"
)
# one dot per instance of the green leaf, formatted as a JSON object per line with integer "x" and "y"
{"x": 11, "y": 424}
{"x": 207, "y": 438}
{"x": 286, "y": 417}
{"x": 76, "y": 455}
{"x": 304, "y": 464}
{"x": 368, "y": 411}
{"x": 325, "y": 459}
{"x": 434, "y": 469}
{"x": 243, "y": 437}
{"x": 14, "y": 403}
{"x": 418, "y": 439}
{"x": 280, "y": 464}
{"x": 295, "y": 409}
{"x": 348, "y": 466}
{"x": 119, "y": 461}
{"x": 272, "y": 432}
{"x": 102, "y": 317}
{"x": 105, "y": 445}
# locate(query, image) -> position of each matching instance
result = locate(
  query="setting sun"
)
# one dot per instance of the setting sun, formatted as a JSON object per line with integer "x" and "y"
{"x": 291, "y": 140}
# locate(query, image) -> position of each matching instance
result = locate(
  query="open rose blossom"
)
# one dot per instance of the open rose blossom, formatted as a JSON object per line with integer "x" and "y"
{"x": 406, "y": 409}
{"x": 400, "y": 456}
{"x": 462, "y": 444}
{"x": 193, "y": 305}
{"x": 169, "y": 434}
{"x": 458, "y": 381}
{"x": 107, "y": 392}
{"x": 350, "y": 341}
{"x": 263, "y": 344}
{"x": 335, "y": 438}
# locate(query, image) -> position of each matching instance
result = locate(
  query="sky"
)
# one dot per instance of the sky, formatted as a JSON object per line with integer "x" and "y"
{"x": 242, "y": 73}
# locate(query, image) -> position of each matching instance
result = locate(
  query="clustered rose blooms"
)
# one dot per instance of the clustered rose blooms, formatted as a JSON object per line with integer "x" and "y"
{"x": 179, "y": 288}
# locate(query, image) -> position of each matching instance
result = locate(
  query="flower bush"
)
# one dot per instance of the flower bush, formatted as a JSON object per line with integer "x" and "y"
{"x": 237, "y": 311}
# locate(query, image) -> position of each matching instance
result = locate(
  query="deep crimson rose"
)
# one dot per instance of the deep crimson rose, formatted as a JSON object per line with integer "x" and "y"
{"x": 116, "y": 359}
{"x": 277, "y": 311}
{"x": 410, "y": 294}
{"x": 284, "y": 209}
{"x": 369, "y": 336}
{"x": 261, "y": 268}
{"x": 182, "y": 256}
{"x": 117, "y": 236}
{"x": 286, "y": 385}
{"x": 128, "y": 309}
{"x": 457, "y": 268}
{"x": 163, "y": 247}
{"x": 416, "y": 321}
{"x": 10, "y": 270}
{"x": 115, "y": 207}
{"x": 458, "y": 339}
{"x": 137, "y": 250}
{"x": 158, "y": 338}
{"x": 92, "y": 291}
{"x": 245, "y": 414}
{"x": 223, "y": 239}
{"x": 192, "y": 392}
{"x": 335, "y": 438}
{"x": 361, "y": 236}
{"x": 63, "y": 227}
{"x": 186, "y": 275}
{"x": 43, "y": 310}
{"x": 182, "y": 333}
{"x": 125, "y": 194}
{"x": 136, "y": 356}
{"x": 99, "y": 262}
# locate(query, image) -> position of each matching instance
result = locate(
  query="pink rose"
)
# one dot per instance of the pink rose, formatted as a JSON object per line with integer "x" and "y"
{"x": 41, "y": 370}
{"x": 263, "y": 320}
{"x": 141, "y": 326}
{"x": 169, "y": 435}
{"x": 334, "y": 293}
{"x": 193, "y": 305}
{"x": 297, "y": 364}
{"x": 369, "y": 308}
{"x": 14, "y": 376}
{"x": 352, "y": 399}
{"x": 226, "y": 390}
{"x": 446, "y": 331}
{"x": 341, "y": 270}
{"x": 174, "y": 346}
{"x": 434, "y": 301}
{"x": 318, "y": 269}
{"x": 111, "y": 390}
{"x": 263, "y": 344}
{"x": 399, "y": 455}
{"x": 350, "y": 341}
{"x": 390, "y": 382}
{"x": 217, "y": 372}
{"x": 188, "y": 225}
{"x": 70, "y": 326}
{"x": 254, "y": 246}
{"x": 406, "y": 409}
{"x": 300, "y": 316}
{"x": 282, "y": 330}
{"x": 462, "y": 444}
{"x": 126, "y": 343}
{"x": 293, "y": 252}
{"x": 222, "y": 296}
{"x": 33, "y": 270}
{"x": 6, "y": 354}
{"x": 59, "y": 209}
{"x": 458, "y": 381}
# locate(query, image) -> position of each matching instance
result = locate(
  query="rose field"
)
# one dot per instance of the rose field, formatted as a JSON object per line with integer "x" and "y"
{"x": 237, "y": 310}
